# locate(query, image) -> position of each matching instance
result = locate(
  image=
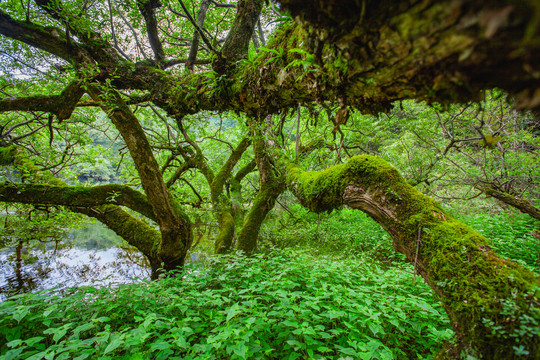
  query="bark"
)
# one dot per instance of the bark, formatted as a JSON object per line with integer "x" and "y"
{"x": 174, "y": 225}
{"x": 195, "y": 42}
{"x": 223, "y": 206}
{"x": 136, "y": 232}
{"x": 522, "y": 205}
{"x": 77, "y": 196}
{"x": 53, "y": 191}
{"x": 480, "y": 291}
{"x": 61, "y": 105}
{"x": 272, "y": 184}
{"x": 146, "y": 8}
{"x": 50, "y": 40}
{"x": 237, "y": 42}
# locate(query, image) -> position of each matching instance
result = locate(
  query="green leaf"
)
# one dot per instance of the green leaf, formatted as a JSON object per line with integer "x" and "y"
{"x": 233, "y": 311}
{"x": 113, "y": 344}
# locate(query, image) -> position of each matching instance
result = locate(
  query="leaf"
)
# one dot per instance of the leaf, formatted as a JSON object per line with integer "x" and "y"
{"x": 113, "y": 345}
{"x": 233, "y": 311}
{"x": 20, "y": 314}
{"x": 240, "y": 350}
{"x": 14, "y": 343}
{"x": 14, "y": 354}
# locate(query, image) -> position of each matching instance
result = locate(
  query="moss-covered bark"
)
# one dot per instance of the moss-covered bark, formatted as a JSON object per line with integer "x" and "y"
{"x": 272, "y": 185}
{"x": 174, "y": 225}
{"x": 493, "y": 303}
{"x": 522, "y": 205}
{"x": 41, "y": 188}
{"x": 80, "y": 196}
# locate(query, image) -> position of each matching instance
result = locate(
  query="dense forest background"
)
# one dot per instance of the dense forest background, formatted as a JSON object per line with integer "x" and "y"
{"x": 301, "y": 178}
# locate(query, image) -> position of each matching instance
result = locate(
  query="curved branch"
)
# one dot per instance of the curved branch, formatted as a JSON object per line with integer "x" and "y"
{"x": 522, "y": 205}
{"x": 454, "y": 260}
{"x": 51, "y": 40}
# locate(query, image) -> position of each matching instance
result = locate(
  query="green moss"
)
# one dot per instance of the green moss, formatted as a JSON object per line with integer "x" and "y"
{"x": 492, "y": 303}
{"x": 323, "y": 190}
{"x": 225, "y": 237}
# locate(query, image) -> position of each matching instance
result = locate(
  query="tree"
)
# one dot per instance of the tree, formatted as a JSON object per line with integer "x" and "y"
{"x": 356, "y": 54}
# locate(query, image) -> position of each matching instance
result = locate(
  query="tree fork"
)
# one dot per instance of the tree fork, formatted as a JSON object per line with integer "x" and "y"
{"x": 480, "y": 291}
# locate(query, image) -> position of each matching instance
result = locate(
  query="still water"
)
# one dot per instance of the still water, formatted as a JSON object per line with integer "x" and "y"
{"x": 92, "y": 255}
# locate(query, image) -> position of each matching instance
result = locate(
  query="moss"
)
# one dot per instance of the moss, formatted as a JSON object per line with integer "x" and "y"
{"x": 223, "y": 241}
{"x": 7, "y": 155}
{"x": 323, "y": 190}
{"x": 493, "y": 303}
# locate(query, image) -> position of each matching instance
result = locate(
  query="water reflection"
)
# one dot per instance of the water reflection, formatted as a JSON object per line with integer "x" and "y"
{"x": 92, "y": 255}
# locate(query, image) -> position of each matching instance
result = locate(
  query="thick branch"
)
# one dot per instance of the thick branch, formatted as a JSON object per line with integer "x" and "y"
{"x": 61, "y": 105}
{"x": 237, "y": 41}
{"x": 174, "y": 224}
{"x": 455, "y": 261}
{"x": 77, "y": 196}
{"x": 432, "y": 50}
{"x": 48, "y": 39}
{"x": 522, "y": 205}
{"x": 136, "y": 232}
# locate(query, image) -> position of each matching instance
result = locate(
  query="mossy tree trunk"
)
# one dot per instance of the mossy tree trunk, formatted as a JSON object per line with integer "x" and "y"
{"x": 102, "y": 203}
{"x": 272, "y": 184}
{"x": 492, "y": 303}
{"x": 174, "y": 225}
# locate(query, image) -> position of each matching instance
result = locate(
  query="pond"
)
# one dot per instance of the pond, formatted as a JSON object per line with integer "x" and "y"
{"x": 92, "y": 255}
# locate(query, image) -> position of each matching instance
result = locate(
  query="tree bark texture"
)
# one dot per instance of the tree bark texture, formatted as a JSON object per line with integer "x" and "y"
{"x": 522, "y": 205}
{"x": 41, "y": 188}
{"x": 174, "y": 225}
{"x": 486, "y": 297}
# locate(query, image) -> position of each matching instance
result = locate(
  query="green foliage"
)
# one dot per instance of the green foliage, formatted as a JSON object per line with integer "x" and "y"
{"x": 511, "y": 235}
{"x": 342, "y": 232}
{"x": 282, "y": 306}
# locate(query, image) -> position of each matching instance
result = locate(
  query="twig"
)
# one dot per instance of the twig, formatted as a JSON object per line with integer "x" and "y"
{"x": 417, "y": 250}
{"x": 201, "y": 32}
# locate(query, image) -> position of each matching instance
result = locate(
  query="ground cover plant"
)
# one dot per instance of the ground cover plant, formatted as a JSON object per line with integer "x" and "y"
{"x": 282, "y": 305}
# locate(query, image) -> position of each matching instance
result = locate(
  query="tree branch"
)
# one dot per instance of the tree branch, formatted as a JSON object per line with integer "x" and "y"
{"x": 146, "y": 7}
{"x": 195, "y": 42}
{"x": 77, "y": 196}
{"x": 51, "y": 40}
{"x": 197, "y": 27}
{"x": 61, "y": 105}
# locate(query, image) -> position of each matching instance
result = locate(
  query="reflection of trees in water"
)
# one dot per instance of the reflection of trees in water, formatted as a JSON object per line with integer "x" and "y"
{"x": 29, "y": 264}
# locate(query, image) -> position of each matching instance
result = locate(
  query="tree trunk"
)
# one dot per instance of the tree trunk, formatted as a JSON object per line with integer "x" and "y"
{"x": 98, "y": 202}
{"x": 492, "y": 303}
{"x": 272, "y": 185}
{"x": 174, "y": 225}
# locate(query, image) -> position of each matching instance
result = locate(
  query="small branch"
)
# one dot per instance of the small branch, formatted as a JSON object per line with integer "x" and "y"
{"x": 198, "y": 28}
{"x": 132, "y": 30}
{"x": 114, "y": 33}
{"x": 417, "y": 250}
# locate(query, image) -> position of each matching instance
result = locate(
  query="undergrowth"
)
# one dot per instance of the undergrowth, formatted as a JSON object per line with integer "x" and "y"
{"x": 282, "y": 305}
